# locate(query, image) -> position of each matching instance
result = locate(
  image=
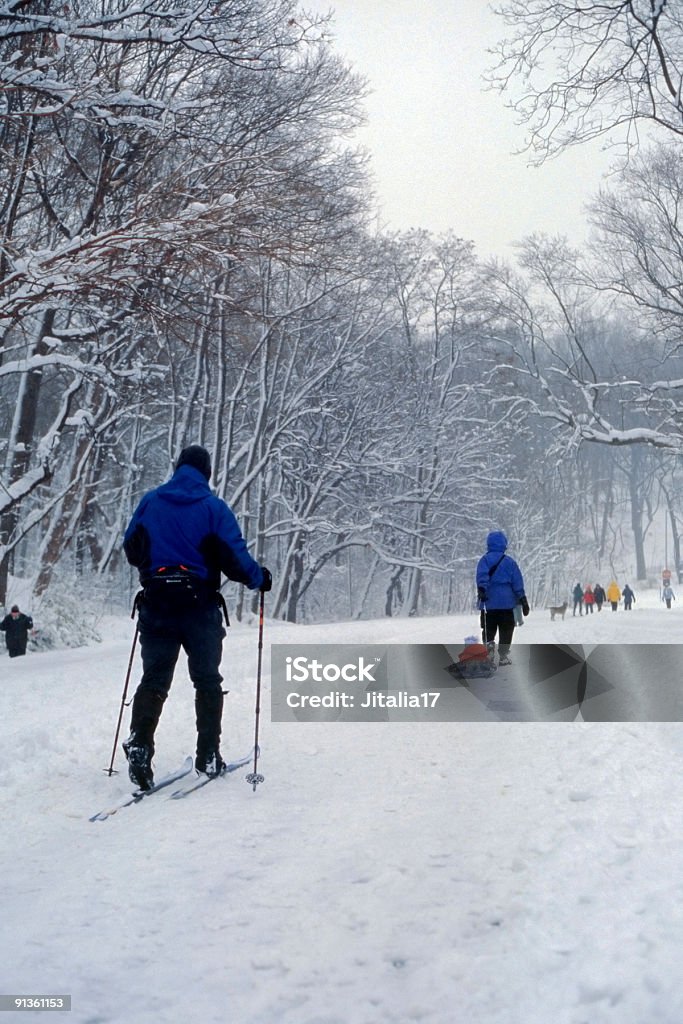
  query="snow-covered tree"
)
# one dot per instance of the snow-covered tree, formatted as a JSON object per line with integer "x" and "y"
{"x": 576, "y": 71}
{"x": 142, "y": 152}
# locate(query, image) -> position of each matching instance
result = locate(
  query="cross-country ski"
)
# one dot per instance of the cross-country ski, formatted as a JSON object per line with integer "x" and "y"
{"x": 230, "y": 766}
{"x": 140, "y": 794}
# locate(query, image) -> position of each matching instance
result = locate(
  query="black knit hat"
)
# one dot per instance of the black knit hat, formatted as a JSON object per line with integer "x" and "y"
{"x": 195, "y": 455}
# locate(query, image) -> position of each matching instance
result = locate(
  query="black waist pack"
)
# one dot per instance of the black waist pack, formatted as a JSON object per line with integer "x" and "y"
{"x": 174, "y": 585}
{"x": 175, "y": 588}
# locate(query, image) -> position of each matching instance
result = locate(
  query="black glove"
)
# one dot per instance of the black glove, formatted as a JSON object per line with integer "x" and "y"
{"x": 525, "y": 605}
{"x": 481, "y": 594}
{"x": 267, "y": 580}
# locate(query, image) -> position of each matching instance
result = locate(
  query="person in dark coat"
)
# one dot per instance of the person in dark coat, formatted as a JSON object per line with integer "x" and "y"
{"x": 629, "y": 598}
{"x": 16, "y": 626}
{"x": 500, "y": 587}
{"x": 181, "y": 538}
{"x": 577, "y": 597}
{"x": 599, "y": 595}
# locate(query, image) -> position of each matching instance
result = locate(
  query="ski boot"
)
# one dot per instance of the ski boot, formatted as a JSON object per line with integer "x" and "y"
{"x": 209, "y": 711}
{"x": 139, "y": 747}
{"x": 210, "y": 764}
{"x": 504, "y": 653}
{"x": 139, "y": 757}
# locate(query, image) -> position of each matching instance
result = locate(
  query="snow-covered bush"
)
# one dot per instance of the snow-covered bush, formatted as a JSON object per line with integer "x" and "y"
{"x": 67, "y": 615}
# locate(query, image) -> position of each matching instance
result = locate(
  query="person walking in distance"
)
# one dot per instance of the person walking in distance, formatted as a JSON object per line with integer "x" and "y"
{"x": 181, "y": 538}
{"x": 614, "y": 595}
{"x": 500, "y": 587}
{"x": 577, "y": 597}
{"x": 629, "y": 598}
{"x": 588, "y": 599}
{"x": 668, "y": 595}
{"x": 16, "y": 626}
{"x": 599, "y": 595}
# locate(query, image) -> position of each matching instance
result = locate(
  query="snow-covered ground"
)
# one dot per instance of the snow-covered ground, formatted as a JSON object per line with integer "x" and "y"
{"x": 488, "y": 873}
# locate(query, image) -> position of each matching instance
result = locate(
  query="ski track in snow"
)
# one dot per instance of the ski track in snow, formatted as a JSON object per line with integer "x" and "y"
{"x": 489, "y": 873}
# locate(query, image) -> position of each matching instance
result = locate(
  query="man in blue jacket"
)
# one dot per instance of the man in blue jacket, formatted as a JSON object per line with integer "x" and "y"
{"x": 181, "y": 538}
{"x": 500, "y": 587}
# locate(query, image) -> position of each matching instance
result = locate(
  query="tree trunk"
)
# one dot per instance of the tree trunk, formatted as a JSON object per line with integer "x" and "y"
{"x": 20, "y": 446}
{"x": 636, "y": 496}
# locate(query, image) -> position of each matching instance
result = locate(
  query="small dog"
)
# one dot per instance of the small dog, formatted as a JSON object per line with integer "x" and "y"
{"x": 560, "y": 609}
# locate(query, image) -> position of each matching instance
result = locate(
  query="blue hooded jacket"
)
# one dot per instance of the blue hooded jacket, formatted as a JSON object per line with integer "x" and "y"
{"x": 505, "y": 587}
{"x": 182, "y": 523}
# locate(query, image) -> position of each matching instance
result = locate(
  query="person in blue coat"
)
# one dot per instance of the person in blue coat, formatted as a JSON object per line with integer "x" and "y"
{"x": 181, "y": 538}
{"x": 500, "y": 587}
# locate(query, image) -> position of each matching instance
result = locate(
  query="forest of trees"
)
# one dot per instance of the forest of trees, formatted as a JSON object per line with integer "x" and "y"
{"x": 189, "y": 253}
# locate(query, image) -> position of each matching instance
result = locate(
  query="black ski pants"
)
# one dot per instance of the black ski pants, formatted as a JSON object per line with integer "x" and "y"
{"x": 195, "y": 626}
{"x": 498, "y": 620}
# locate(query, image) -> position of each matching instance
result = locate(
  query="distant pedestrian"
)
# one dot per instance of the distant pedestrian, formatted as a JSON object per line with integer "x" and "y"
{"x": 629, "y": 598}
{"x": 16, "y": 626}
{"x": 500, "y": 587}
{"x": 668, "y": 595}
{"x": 577, "y": 596}
{"x": 614, "y": 595}
{"x": 599, "y": 595}
{"x": 588, "y": 599}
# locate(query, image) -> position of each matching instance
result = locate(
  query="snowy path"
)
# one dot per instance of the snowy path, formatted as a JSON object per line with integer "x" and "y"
{"x": 384, "y": 872}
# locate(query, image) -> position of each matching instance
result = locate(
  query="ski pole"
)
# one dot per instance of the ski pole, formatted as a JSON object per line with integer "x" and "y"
{"x": 110, "y": 770}
{"x": 254, "y": 777}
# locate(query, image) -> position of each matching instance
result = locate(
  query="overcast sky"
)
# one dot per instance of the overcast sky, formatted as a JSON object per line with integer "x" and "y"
{"x": 442, "y": 146}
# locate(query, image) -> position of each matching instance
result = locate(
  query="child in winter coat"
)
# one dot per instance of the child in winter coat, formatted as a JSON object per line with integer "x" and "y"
{"x": 473, "y": 662}
{"x": 588, "y": 599}
{"x": 668, "y": 595}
